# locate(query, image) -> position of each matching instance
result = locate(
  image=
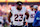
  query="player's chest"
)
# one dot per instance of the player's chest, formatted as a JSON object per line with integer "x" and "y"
{"x": 32, "y": 12}
{"x": 18, "y": 12}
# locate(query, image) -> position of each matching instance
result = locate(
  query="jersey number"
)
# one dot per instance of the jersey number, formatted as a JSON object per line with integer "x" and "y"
{"x": 32, "y": 15}
{"x": 16, "y": 16}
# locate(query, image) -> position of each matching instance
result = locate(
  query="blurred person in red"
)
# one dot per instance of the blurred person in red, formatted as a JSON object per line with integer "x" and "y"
{"x": 16, "y": 15}
{"x": 4, "y": 15}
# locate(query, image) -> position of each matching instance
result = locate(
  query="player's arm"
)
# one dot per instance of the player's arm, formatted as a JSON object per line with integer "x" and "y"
{"x": 36, "y": 15}
{"x": 27, "y": 15}
{"x": 9, "y": 16}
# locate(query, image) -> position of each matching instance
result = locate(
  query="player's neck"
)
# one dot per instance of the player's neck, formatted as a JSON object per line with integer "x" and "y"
{"x": 31, "y": 9}
{"x": 19, "y": 9}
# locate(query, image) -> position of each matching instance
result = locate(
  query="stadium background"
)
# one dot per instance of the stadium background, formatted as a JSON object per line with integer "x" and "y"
{"x": 5, "y": 5}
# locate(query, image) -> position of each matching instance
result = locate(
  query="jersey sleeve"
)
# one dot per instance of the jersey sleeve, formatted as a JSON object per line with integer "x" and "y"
{"x": 25, "y": 9}
{"x": 12, "y": 9}
{"x": 25, "y": 15}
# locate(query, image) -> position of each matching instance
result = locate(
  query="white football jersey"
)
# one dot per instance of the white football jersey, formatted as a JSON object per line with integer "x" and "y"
{"x": 1, "y": 19}
{"x": 17, "y": 16}
{"x": 31, "y": 16}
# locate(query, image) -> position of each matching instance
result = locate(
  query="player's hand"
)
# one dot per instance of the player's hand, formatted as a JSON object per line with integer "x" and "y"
{"x": 26, "y": 23}
{"x": 8, "y": 24}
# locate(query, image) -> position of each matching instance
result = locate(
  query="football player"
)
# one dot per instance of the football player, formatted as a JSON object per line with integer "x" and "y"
{"x": 31, "y": 16}
{"x": 16, "y": 15}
